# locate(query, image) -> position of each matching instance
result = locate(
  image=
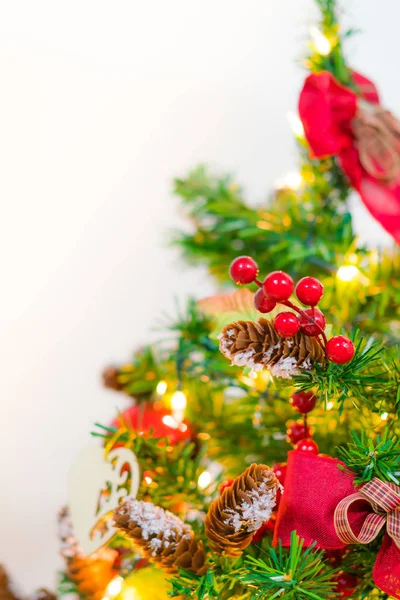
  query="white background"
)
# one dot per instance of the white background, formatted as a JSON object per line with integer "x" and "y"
{"x": 101, "y": 104}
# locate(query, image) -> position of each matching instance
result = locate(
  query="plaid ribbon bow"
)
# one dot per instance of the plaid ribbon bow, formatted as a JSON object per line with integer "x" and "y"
{"x": 384, "y": 499}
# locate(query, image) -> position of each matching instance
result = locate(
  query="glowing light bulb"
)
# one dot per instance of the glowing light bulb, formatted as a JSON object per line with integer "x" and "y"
{"x": 320, "y": 41}
{"x": 384, "y": 416}
{"x": 114, "y": 587}
{"x": 178, "y": 400}
{"x": 291, "y": 180}
{"x": 161, "y": 388}
{"x": 148, "y": 480}
{"x": 178, "y": 405}
{"x": 347, "y": 273}
{"x": 329, "y": 405}
{"x": 204, "y": 480}
{"x": 295, "y": 124}
{"x": 169, "y": 421}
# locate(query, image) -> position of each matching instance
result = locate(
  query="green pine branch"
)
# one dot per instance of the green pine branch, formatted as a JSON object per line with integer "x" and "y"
{"x": 295, "y": 573}
{"x": 370, "y": 457}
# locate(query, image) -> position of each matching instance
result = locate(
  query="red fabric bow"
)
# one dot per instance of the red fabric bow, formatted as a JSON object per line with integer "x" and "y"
{"x": 318, "y": 501}
{"x": 365, "y": 138}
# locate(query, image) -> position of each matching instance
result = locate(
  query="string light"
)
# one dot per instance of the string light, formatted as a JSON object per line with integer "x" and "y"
{"x": 113, "y": 588}
{"x": 161, "y": 388}
{"x": 148, "y": 480}
{"x": 204, "y": 480}
{"x": 384, "y": 416}
{"x": 320, "y": 41}
{"x": 295, "y": 124}
{"x": 329, "y": 405}
{"x": 178, "y": 405}
{"x": 291, "y": 181}
{"x": 347, "y": 273}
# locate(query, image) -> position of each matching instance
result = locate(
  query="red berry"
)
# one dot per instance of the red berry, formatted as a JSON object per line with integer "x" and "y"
{"x": 312, "y": 321}
{"x": 280, "y": 471}
{"x": 298, "y": 431}
{"x": 243, "y": 270}
{"x": 303, "y": 402}
{"x": 309, "y": 291}
{"x": 346, "y": 583}
{"x": 307, "y": 445}
{"x": 262, "y": 302}
{"x": 278, "y": 286}
{"x": 340, "y": 350}
{"x": 225, "y": 484}
{"x": 286, "y": 324}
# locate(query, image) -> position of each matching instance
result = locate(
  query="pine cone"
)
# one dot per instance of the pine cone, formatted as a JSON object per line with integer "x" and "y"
{"x": 241, "y": 509}
{"x": 93, "y": 573}
{"x": 110, "y": 379}
{"x": 257, "y": 345}
{"x": 163, "y": 537}
{"x": 6, "y": 592}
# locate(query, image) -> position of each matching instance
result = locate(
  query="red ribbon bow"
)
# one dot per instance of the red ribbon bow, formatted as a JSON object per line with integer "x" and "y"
{"x": 320, "y": 504}
{"x": 365, "y": 138}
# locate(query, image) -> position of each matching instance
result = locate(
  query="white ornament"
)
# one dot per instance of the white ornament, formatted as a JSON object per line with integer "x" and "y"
{"x": 96, "y": 485}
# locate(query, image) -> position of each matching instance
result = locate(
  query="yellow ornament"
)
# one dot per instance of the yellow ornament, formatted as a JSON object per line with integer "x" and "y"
{"x": 145, "y": 583}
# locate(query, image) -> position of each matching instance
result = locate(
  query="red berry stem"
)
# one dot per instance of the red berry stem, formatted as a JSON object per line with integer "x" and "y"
{"x": 258, "y": 282}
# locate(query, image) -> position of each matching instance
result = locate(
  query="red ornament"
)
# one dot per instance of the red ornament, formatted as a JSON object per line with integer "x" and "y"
{"x": 309, "y": 291}
{"x": 307, "y": 445}
{"x": 303, "y": 402}
{"x": 312, "y": 321}
{"x": 340, "y": 350}
{"x": 262, "y": 302}
{"x": 278, "y": 285}
{"x": 225, "y": 484}
{"x": 287, "y": 324}
{"x": 298, "y": 431}
{"x": 280, "y": 471}
{"x": 150, "y": 420}
{"x": 243, "y": 270}
{"x": 346, "y": 583}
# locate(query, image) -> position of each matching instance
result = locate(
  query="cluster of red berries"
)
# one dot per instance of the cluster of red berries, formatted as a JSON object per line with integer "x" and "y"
{"x": 277, "y": 288}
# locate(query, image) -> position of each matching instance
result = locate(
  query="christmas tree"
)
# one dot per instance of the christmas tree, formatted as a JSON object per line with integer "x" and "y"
{"x": 265, "y": 425}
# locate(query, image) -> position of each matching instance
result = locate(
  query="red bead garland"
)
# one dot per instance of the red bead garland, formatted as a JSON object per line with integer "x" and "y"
{"x": 243, "y": 270}
{"x": 340, "y": 350}
{"x": 307, "y": 445}
{"x": 303, "y": 402}
{"x": 298, "y": 431}
{"x": 280, "y": 470}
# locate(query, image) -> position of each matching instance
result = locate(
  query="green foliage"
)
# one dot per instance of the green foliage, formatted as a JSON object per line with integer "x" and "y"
{"x": 370, "y": 457}
{"x": 295, "y": 573}
{"x": 66, "y": 586}
{"x": 362, "y": 380}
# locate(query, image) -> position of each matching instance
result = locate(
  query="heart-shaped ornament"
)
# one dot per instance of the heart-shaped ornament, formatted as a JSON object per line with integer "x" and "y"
{"x": 96, "y": 485}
